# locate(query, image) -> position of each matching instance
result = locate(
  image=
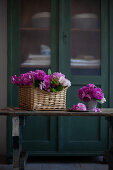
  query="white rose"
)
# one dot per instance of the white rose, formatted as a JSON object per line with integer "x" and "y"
{"x": 67, "y": 83}
{"x": 103, "y": 100}
{"x": 62, "y": 80}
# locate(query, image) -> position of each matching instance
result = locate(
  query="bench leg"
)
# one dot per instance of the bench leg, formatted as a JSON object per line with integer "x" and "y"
{"x": 16, "y": 142}
{"x": 19, "y": 157}
{"x": 23, "y": 159}
{"x": 109, "y": 155}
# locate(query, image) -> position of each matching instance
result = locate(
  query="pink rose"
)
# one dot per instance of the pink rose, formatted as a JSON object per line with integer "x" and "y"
{"x": 79, "y": 107}
{"x": 57, "y": 74}
{"x": 95, "y": 110}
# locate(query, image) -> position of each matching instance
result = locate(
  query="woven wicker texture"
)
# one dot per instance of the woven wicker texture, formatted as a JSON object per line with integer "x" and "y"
{"x": 35, "y": 99}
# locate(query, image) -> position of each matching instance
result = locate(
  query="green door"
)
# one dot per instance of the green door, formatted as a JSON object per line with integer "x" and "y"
{"x": 32, "y": 44}
{"x": 84, "y": 50}
{"x": 79, "y": 50}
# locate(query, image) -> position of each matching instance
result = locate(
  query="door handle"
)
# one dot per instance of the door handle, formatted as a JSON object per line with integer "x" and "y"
{"x": 65, "y": 37}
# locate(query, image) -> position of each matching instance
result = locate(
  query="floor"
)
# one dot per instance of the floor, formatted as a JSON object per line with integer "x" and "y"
{"x": 63, "y": 163}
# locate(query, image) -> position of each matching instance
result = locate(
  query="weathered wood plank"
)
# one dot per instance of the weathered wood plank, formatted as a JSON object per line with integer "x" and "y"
{"x": 16, "y": 112}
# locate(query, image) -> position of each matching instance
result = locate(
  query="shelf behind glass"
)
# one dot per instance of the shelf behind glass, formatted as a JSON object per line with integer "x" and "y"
{"x": 85, "y": 29}
{"x": 34, "y": 66}
{"x": 34, "y": 29}
{"x": 47, "y": 29}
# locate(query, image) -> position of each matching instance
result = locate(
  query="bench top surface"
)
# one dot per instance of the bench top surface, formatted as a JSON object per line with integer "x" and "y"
{"x": 10, "y": 111}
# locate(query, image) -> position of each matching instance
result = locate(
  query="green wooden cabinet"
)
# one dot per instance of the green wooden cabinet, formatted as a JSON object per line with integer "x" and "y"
{"x": 68, "y": 37}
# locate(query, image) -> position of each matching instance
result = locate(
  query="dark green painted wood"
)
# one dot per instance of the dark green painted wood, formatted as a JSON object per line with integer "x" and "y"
{"x": 110, "y": 62}
{"x": 91, "y": 141}
{"x": 71, "y": 132}
{"x": 54, "y": 35}
{"x": 111, "y": 53}
{"x": 47, "y": 142}
{"x": 104, "y": 49}
{"x": 13, "y": 14}
{"x": 78, "y": 80}
{"x": 13, "y": 49}
{"x": 64, "y": 37}
{"x": 38, "y": 142}
{"x": 40, "y": 134}
{"x": 64, "y": 51}
{"x": 105, "y": 56}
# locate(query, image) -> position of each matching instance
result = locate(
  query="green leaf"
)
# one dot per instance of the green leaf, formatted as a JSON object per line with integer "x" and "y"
{"x": 49, "y": 71}
{"x": 34, "y": 85}
{"x": 56, "y": 78}
{"x": 59, "y": 88}
{"x": 57, "y": 82}
{"x": 53, "y": 90}
{"x": 53, "y": 81}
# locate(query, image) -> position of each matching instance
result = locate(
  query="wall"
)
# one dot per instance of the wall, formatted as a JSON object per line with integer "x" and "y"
{"x": 3, "y": 72}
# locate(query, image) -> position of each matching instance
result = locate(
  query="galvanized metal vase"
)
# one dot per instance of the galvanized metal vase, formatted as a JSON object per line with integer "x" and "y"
{"x": 91, "y": 104}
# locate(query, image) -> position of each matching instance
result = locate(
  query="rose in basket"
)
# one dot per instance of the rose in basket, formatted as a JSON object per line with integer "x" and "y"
{"x": 51, "y": 82}
{"x": 91, "y": 95}
{"x": 41, "y": 91}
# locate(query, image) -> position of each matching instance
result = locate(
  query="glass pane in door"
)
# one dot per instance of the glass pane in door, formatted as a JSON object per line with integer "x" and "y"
{"x": 85, "y": 56}
{"x": 35, "y": 35}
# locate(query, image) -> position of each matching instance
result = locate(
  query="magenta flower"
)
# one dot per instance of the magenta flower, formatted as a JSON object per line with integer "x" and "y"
{"x": 95, "y": 110}
{"x": 87, "y": 98}
{"x": 25, "y": 79}
{"x": 89, "y": 92}
{"x": 14, "y": 79}
{"x": 81, "y": 93}
{"x": 56, "y": 74}
{"x": 32, "y": 74}
{"x": 90, "y": 88}
{"x": 46, "y": 82}
{"x": 19, "y": 81}
{"x": 79, "y": 107}
{"x": 84, "y": 95}
{"x": 39, "y": 79}
{"x": 90, "y": 85}
{"x": 39, "y": 74}
{"x": 97, "y": 94}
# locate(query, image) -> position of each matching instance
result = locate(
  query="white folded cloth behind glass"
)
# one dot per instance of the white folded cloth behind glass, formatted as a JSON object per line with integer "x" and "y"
{"x": 85, "y": 61}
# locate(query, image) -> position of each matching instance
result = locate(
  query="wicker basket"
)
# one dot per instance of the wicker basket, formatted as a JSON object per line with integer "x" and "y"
{"x": 35, "y": 99}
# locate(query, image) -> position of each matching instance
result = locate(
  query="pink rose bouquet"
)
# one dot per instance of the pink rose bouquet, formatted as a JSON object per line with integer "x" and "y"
{"x": 89, "y": 92}
{"x": 48, "y": 82}
{"x": 79, "y": 107}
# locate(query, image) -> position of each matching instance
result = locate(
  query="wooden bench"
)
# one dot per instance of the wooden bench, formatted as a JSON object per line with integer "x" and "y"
{"x": 18, "y": 123}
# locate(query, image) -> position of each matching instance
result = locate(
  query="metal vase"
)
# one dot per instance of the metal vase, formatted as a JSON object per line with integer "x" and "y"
{"x": 91, "y": 104}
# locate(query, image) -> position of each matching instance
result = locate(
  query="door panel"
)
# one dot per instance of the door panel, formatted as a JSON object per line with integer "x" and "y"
{"x": 29, "y": 42}
{"x": 80, "y": 134}
{"x": 83, "y": 135}
{"x": 40, "y": 134}
{"x": 35, "y": 50}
